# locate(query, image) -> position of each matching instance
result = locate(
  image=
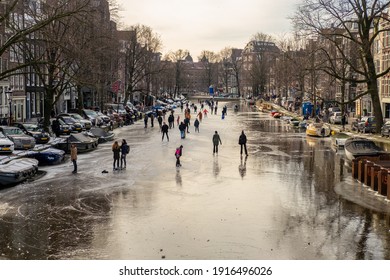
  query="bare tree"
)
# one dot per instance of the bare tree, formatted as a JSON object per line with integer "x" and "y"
{"x": 261, "y": 54}
{"x": 231, "y": 63}
{"x": 141, "y": 48}
{"x": 360, "y": 20}
{"x": 38, "y": 17}
{"x": 209, "y": 60}
{"x": 178, "y": 58}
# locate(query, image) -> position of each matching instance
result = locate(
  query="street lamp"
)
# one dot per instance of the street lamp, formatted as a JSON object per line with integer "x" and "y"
{"x": 8, "y": 93}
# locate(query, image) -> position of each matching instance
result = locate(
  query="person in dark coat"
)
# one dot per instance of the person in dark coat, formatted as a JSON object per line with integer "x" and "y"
{"x": 152, "y": 120}
{"x": 187, "y": 124}
{"x": 196, "y": 125}
{"x": 182, "y": 128}
{"x": 125, "y": 149}
{"x": 55, "y": 126}
{"x": 160, "y": 120}
{"x": 146, "y": 120}
{"x": 116, "y": 151}
{"x": 171, "y": 121}
{"x": 242, "y": 142}
{"x": 216, "y": 142}
{"x": 343, "y": 120}
{"x": 164, "y": 130}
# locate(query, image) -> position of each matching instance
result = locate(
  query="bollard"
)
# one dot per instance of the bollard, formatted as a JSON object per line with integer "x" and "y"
{"x": 355, "y": 168}
{"x": 361, "y": 164}
{"x": 375, "y": 170}
{"x": 367, "y": 172}
{"x": 388, "y": 186}
{"x": 382, "y": 181}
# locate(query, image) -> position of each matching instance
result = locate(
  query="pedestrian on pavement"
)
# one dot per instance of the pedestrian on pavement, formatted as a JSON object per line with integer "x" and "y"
{"x": 164, "y": 130}
{"x": 242, "y": 142}
{"x": 178, "y": 154}
{"x": 343, "y": 121}
{"x": 152, "y": 120}
{"x": 171, "y": 121}
{"x": 125, "y": 149}
{"x": 187, "y": 123}
{"x": 73, "y": 157}
{"x": 160, "y": 120}
{"x": 178, "y": 120}
{"x": 216, "y": 142}
{"x": 196, "y": 125}
{"x": 215, "y": 109}
{"x": 182, "y": 128}
{"x": 146, "y": 120}
{"x": 205, "y": 112}
{"x": 116, "y": 152}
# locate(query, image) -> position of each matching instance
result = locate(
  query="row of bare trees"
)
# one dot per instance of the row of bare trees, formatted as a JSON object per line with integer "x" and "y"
{"x": 57, "y": 45}
{"x": 350, "y": 35}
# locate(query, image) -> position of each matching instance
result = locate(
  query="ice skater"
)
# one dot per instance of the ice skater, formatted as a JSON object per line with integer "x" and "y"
{"x": 242, "y": 142}
{"x": 216, "y": 142}
{"x": 178, "y": 154}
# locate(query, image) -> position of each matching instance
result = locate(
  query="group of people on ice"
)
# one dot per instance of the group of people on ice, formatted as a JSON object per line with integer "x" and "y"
{"x": 120, "y": 151}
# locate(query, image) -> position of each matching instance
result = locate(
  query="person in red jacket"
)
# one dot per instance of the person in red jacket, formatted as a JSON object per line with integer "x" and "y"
{"x": 178, "y": 154}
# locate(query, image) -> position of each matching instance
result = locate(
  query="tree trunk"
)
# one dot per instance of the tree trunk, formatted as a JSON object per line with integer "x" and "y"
{"x": 48, "y": 107}
{"x": 373, "y": 89}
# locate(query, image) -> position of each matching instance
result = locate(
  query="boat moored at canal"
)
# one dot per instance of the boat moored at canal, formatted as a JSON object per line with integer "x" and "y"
{"x": 17, "y": 170}
{"x": 318, "y": 130}
{"x": 358, "y": 147}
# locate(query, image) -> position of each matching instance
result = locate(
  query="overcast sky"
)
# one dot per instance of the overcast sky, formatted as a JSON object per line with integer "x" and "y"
{"x": 212, "y": 25}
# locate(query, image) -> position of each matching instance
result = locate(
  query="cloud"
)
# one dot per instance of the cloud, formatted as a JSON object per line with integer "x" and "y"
{"x": 199, "y": 25}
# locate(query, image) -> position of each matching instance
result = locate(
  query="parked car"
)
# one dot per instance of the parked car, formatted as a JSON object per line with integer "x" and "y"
{"x": 106, "y": 119}
{"x": 59, "y": 127}
{"x": 367, "y": 125}
{"x": 334, "y": 110}
{"x": 33, "y": 130}
{"x": 86, "y": 124}
{"x": 336, "y": 117}
{"x": 21, "y": 140}
{"x": 92, "y": 116}
{"x": 6, "y": 145}
{"x": 73, "y": 124}
{"x": 385, "y": 130}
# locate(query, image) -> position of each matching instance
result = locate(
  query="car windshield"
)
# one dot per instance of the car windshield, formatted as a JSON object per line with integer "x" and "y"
{"x": 77, "y": 117}
{"x": 2, "y": 135}
{"x": 91, "y": 113}
{"x": 31, "y": 127}
{"x": 68, "y": 120}
{"x": 13, "y": 131}
{"x": 61, "y": 122}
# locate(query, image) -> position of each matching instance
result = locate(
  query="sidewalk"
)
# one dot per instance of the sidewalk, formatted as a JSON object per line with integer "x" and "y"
{"x": 337, "y": 127}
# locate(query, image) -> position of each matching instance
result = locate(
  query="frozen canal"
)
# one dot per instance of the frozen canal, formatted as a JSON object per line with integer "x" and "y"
{"x": 292, "y": 198}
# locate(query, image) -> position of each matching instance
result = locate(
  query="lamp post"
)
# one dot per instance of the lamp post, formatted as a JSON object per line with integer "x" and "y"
{"x": 8, "y": 93}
